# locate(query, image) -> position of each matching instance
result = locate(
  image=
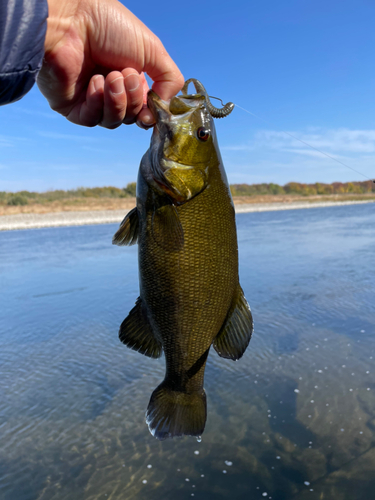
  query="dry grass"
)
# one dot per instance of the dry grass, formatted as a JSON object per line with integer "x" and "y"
{"x": 85, "y": 204}
{"x": 70, "y": 205}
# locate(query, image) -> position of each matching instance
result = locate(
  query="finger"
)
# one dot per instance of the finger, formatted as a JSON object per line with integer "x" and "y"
{"x": 129, "y": 43}
{"x": 115, "y": 100}
{"x": 168, "y": 79}
{"x": 91, "y": 112}
{"x": 134, "y": 94}
{"x": 145, "y": 119}
{"x": 146, "y": 88}
{"x": 166, "y": 89}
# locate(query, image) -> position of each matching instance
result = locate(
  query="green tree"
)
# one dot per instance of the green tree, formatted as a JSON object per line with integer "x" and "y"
{"x": 131, "y": 189}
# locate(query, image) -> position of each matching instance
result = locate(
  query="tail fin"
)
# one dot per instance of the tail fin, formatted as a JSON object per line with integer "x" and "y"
{"x": 171, "y": 413}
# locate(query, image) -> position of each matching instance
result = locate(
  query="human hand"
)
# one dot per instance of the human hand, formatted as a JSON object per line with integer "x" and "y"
{"x": 95, "y": 54}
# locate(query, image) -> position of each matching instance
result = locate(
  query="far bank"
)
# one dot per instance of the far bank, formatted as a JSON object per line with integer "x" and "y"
{"x": 92, "y": 216}
{"x": 89, "y": 204}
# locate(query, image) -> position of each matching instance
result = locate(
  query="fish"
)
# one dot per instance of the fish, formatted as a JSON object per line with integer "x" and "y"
{"x": 190, "y": 295}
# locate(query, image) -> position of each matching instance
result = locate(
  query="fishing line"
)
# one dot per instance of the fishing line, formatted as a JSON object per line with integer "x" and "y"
{"x": 300, "y": 140}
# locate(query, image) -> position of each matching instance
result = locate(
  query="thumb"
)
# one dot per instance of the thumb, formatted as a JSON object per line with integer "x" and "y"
{"x": 167, "y": 78}
{"x": 160, "y": 67}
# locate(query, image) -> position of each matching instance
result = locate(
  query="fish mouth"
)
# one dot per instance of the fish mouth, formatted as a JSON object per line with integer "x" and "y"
{"x": 168, "y": 175}
{"x": 160, "y": 165}
{"x": 158, "y": 107}
{"x": 178, "y": 105}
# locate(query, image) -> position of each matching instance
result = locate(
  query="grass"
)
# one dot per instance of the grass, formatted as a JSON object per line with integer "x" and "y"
{"x": 112, "y": 198}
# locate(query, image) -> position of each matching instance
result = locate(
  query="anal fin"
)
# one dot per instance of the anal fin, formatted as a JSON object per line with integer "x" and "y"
{"x": 136, "y": 333}
{"x": 235, "y": 334}
{"x": 127, "y": 234}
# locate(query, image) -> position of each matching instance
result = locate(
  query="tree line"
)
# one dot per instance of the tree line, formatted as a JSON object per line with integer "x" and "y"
{"x": 303, "y": 189}
{"x": 292, "y": 188}
{"x": 26, "y": 197}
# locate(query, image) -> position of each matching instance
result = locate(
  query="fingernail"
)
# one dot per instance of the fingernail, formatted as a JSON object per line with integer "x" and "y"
{"x": 117, "y": 85}
{"x": 96, "y": 81}
{"x": 143, "y": 125}
{"x": 147, "y": 125}
{"x": 132, "y": 82}
{"x": 148, "y": 119}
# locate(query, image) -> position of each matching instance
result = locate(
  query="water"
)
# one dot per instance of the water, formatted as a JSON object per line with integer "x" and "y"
{"x": 293, "y": 419}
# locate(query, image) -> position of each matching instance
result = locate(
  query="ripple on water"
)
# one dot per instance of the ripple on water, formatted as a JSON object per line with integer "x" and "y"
{"x": 283, "y": 418}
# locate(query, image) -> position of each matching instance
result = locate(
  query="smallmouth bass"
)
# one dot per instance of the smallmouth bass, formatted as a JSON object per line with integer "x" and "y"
{"x": 190, "y": 295}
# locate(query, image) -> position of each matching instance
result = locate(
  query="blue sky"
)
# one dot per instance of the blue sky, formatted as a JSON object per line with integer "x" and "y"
{"x": 304, "y": 66}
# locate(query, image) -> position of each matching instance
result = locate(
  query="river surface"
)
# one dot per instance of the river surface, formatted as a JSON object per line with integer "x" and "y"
{"x": 293, "y": 419}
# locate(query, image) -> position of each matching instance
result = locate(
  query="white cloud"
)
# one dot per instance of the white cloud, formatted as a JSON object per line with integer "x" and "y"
{"x": 95, "y": 150}
{"x": 5, "y": 142}
{"x": 34, "y": 112}
{"x": 276, "y": 154}
{"x": 9, "y": 141}
{"x": 67, "y": 137}
{"x": 240, "y": 147}
{"x": 305, "y": 152}
{"x": 282, "y": 166}
{"x": 339, "y": 140}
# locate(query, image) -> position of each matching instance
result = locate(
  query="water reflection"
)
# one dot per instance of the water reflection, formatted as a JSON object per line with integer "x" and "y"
{"x": 293, "y": 419}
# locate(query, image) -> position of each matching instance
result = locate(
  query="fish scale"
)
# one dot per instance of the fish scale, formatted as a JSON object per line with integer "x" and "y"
{"x": 200, "y": 268}
{"x": 190, "y": 296}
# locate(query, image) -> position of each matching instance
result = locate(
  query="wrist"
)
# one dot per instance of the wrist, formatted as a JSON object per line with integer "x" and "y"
{"x": 61, "y": 16}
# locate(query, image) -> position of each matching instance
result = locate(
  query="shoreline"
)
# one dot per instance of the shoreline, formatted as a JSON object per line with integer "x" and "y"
{"x": 65, "y": 219}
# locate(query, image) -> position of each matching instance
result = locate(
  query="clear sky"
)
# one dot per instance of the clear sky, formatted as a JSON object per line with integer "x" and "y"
{"x": 305, "y": 66}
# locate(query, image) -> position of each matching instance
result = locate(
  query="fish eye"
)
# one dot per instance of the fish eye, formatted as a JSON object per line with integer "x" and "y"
{"x": 203, "y": 134}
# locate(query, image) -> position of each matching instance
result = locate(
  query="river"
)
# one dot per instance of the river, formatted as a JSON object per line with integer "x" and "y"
{"x": 293, "y": 419}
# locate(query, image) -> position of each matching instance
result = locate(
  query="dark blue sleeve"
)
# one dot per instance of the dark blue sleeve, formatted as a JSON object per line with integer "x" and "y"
{"x": 23, "y": 25}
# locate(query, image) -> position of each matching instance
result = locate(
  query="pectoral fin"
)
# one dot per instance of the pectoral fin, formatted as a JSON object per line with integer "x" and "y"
{"x": 127, "y": 233}
{"x": 167, "y": 229}
{"x": 235, "y": 334}
{"x": 136, "y": 333}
